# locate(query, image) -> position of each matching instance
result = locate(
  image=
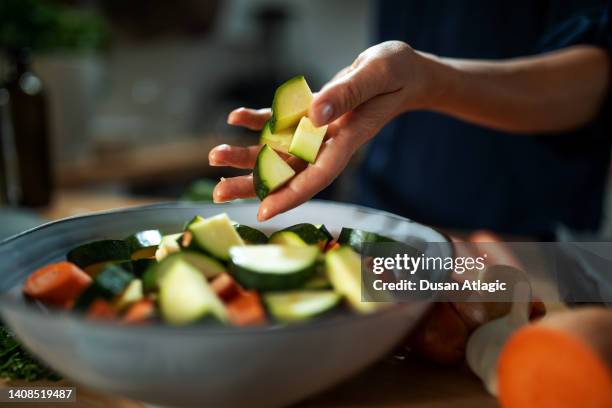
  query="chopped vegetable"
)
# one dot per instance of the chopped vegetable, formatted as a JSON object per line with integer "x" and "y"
{"x": 278, "y": 141}
{"x": 215, "y": 236}
{"x": 168, "y": 245}
{"x": 99, "y": 252}
{"x": 273, "y": 267}
{"x": 563, "y": 361}
{"x": 57, "y": 284}
{"x": 271, "y": 172}
{"x": 251, "y": 235}
{"x": 109, "y": 283}
{"x": 291, "y": 102}
{"x": 143, "y": 244}
{"x": 101, "y": 310}
{"x": 307, "y": 140}
{"x": 140, "y": 312}
{"x": 300, "y": 304}
{"x": 245, "y": 309}
{"x": 300, "y": 235}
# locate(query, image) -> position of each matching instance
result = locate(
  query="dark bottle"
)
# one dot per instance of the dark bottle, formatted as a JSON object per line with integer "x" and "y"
{"x": 30, "y": 131}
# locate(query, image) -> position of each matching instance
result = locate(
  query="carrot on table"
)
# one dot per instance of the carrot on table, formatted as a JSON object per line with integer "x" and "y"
{"x": 140, "y": 312}
{"x": 58, "y": 284}
{"x": 101, "y": 310}
{"x": 246, "y": 309}
{"x": 563, "y": 361}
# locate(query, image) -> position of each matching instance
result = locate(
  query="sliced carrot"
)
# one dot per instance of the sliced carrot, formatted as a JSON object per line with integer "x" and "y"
{"x": 333, "y": 244}
{"x": 101, "y": 310}
{"x": 246, "y": 309}
{"x": 226, "y": 287}
{"x": 563, "y": 361}
{"x": 140, "y": 312}
{"x": 58, "y": 284}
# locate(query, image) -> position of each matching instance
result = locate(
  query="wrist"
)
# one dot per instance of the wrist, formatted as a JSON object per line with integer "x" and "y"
{"x": 438, "y": 80}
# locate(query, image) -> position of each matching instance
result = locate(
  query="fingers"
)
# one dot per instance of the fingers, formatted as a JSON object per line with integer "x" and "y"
{"x": 344, "y": 93}
{"x": 253, "y": 119}
{"x": 234, "y": 156}
{"x": 234, "y": 188}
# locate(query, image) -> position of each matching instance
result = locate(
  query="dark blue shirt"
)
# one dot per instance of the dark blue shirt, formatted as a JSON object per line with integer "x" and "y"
{"x": 446, "y": 172}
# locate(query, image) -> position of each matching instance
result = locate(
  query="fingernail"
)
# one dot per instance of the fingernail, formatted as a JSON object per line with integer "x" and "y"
{"x": 325, "y": 112}
{"x": 262, "y": 215}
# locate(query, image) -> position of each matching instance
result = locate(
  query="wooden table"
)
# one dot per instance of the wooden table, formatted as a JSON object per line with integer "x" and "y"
{"x": 392, "y": 383}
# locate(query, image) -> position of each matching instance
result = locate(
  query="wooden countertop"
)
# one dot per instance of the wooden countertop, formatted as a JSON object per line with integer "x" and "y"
{"x": 391, "y": 383}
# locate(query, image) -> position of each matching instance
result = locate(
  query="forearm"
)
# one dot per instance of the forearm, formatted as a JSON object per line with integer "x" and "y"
{"x": 546, "y": 93}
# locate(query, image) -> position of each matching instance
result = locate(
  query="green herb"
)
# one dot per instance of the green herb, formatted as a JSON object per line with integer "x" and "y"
{"x": 17, "y": 364}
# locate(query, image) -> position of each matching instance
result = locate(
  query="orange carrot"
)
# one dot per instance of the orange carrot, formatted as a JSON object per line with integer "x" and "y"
{"x": 101, "y": 310}
{"x": 140, "y": 312}
{"x": 333, "y": 244}
{"x": 563, "y": 361}
{"x": 226, "y": 287}
{"x": 58, "y": 284}
{"x": 246, "y": 309}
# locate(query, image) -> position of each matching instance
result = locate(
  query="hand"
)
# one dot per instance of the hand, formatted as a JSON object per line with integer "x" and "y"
{"x": 384, "y": 81}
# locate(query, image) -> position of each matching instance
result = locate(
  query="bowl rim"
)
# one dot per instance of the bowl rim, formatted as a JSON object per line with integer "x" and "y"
{"x": 163, "y": 329}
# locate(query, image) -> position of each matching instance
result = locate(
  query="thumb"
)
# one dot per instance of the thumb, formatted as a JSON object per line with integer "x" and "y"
{"x": 343, "y": 94}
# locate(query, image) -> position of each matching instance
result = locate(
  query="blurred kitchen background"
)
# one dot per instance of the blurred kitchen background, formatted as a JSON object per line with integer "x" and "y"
{"x": 126, "y": 98}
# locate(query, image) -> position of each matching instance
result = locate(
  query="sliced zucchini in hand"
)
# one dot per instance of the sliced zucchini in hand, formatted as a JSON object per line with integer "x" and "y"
{"x": 300, "y": 305}
{"x": 291, "y": 102}
{"x": 300, "y": 235}
{"x": 355, "y": 238}
{"x": 251, "y": 235}
{"x": 343, "y": 268}
{"x": 270, "y": 173}
{"x": 143, "y": 244}
{"x": 278, "y": 141}
{"x": 99, "y": 252}
{"x": 110, "y": 282}
{"x": 215, "y": 236}
{"x": 273, "y": 267}
{"x": 169, "y": 244}
{"x": 208, "y": 267}
{"x": 184, "y": 294}
{"x": 307, "y": 140}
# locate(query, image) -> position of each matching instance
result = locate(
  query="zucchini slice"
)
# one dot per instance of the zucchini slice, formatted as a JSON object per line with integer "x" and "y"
{"x": 215, "y": 236}
{"x": 318, "y": 283}
{"x": 355, "y": 238}
{"x": 99, "y": 252}
{"x": 110, "y": 282}
{"x": 184, "y": 294}
{"x": 307, "y": 140}
{"x": 300, "y": 235}
{"x": 273, "y": 267}
{"x": 132, "y": 294}
{"x": 208, "y": 267}
{"x": 270, "y": 172}
{"x": 324, "y": 230}
{"x": 291, "y": 102}
{"x": 143, "y": 244}
{"x": 278, "y": 141}
{"x": 251, "y": 235}
{"x": 300, "y": 305}
{"x": 169, "y": 244}
{"x": 343, "y": 267}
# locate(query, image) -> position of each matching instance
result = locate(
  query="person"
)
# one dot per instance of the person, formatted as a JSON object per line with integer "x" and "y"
{"x": 448, "y": 103}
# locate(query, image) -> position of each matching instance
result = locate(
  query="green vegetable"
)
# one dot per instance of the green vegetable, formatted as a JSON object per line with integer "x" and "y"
{"x": 270, "y": 173}
{"x": 251, "y": 235}
{"x": 110, "y": 282}
{"x": 98, "y": 252}
{"x": 144, "y": 243}
{"x": 17, "y": 364}
{"x": 300, "y": 304}
{"x": 307, "y": 140}
{"x": 300, "y": 235}
{"x": 278, "y": 141}
{"x": 291, "y": 102}
{"x": 273, "y": 267}
{"x": 207, "y": 266}
{"x": 356, "y": 238}
{"x": 184, "y": 294}
{"x": 215, "y": 236}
